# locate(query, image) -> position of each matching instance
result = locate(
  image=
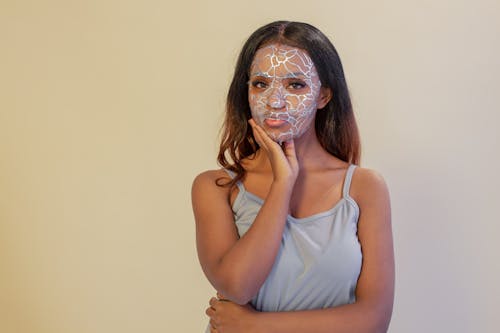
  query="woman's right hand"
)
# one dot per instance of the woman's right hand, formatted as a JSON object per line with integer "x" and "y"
{"x": 283, "y": 158}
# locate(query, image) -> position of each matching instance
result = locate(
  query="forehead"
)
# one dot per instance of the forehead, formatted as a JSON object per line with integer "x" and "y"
{"x": 278, "y": 60}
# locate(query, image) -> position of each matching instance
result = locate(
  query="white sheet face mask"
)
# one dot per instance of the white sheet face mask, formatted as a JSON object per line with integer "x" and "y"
{"x": 283, "y": 91}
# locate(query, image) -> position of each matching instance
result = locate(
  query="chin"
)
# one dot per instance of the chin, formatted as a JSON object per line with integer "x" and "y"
{"x": 281, "y": 137}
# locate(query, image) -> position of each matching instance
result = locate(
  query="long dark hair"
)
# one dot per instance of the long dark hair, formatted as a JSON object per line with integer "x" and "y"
{"x": 335, "y": 124}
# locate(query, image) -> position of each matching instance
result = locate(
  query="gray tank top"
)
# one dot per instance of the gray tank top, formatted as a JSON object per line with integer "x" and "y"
{"x": 319, "y": 260}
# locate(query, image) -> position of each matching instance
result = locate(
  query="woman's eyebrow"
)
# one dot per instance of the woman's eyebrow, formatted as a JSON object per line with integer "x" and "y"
{"x": 287, "y": 76}
{"x": 261, "y": 74}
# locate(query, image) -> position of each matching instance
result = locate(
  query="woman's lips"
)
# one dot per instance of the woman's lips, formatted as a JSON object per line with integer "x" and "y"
{"x": 274, "y": 122}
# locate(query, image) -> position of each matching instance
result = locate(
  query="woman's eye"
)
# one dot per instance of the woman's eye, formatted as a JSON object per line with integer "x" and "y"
{"x": 297, "y": 85}
{"x": 259, "y": 84}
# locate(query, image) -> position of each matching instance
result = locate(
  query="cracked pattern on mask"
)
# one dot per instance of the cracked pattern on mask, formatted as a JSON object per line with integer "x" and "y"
{"x": 284, "y": 85}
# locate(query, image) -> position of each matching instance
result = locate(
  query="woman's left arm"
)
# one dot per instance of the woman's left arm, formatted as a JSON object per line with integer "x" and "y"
{"x": 375, "y": 288}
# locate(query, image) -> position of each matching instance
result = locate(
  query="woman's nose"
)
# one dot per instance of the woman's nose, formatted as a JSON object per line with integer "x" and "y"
{"x": 276, "y": 99}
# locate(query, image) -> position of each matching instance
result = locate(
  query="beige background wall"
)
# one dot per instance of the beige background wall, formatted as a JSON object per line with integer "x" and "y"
{"x": 109, "y": 108}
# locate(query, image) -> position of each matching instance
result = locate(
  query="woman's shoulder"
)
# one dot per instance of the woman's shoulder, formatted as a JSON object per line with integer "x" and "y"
{"x": 212, "y": 174}
{"x": 209, "y": 185}
{"x": 367, "y": 184}
{"x": 211, "y": 178}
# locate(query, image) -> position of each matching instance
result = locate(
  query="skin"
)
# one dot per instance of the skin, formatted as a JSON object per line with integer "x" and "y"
{"x": 284, "y": 86}
{"x": 299, "y": 178}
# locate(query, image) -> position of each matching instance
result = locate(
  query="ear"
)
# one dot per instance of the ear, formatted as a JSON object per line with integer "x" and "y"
{"x": 325, "y": 95}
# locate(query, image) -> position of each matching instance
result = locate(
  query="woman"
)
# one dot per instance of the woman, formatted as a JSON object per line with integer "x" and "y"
{"x": 292, "y": 235}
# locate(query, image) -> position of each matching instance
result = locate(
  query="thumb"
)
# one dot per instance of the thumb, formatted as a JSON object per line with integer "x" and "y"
{"x": 289, "y": 149}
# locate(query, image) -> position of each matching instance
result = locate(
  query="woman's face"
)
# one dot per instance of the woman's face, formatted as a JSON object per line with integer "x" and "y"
{"x": 283, "y": 91}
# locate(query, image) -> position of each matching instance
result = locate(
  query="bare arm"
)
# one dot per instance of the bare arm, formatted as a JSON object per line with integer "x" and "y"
{"x": 238, "y": 267}
{"x": 375, "y": 288}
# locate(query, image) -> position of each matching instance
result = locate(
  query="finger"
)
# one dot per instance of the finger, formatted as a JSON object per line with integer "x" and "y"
{"x": 256, "y": 132}
{"x": 212, "y": 326}
{"x": 289, "y": 148}
{"x": 210, "y": 312}
{"x": 252, "y": 122}
{"x": 213, "y": 302}
{"x": 263, "y": 139}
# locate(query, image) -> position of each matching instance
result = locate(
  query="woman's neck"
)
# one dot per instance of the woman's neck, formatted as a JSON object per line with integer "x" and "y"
{"x": 310, "y": 154}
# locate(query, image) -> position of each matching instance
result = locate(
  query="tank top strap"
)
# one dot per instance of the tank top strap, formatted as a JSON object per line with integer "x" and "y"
{"x": 238, "y": 183}
{"x": 230, "y": 173}
{"x": 347, "y": 180}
